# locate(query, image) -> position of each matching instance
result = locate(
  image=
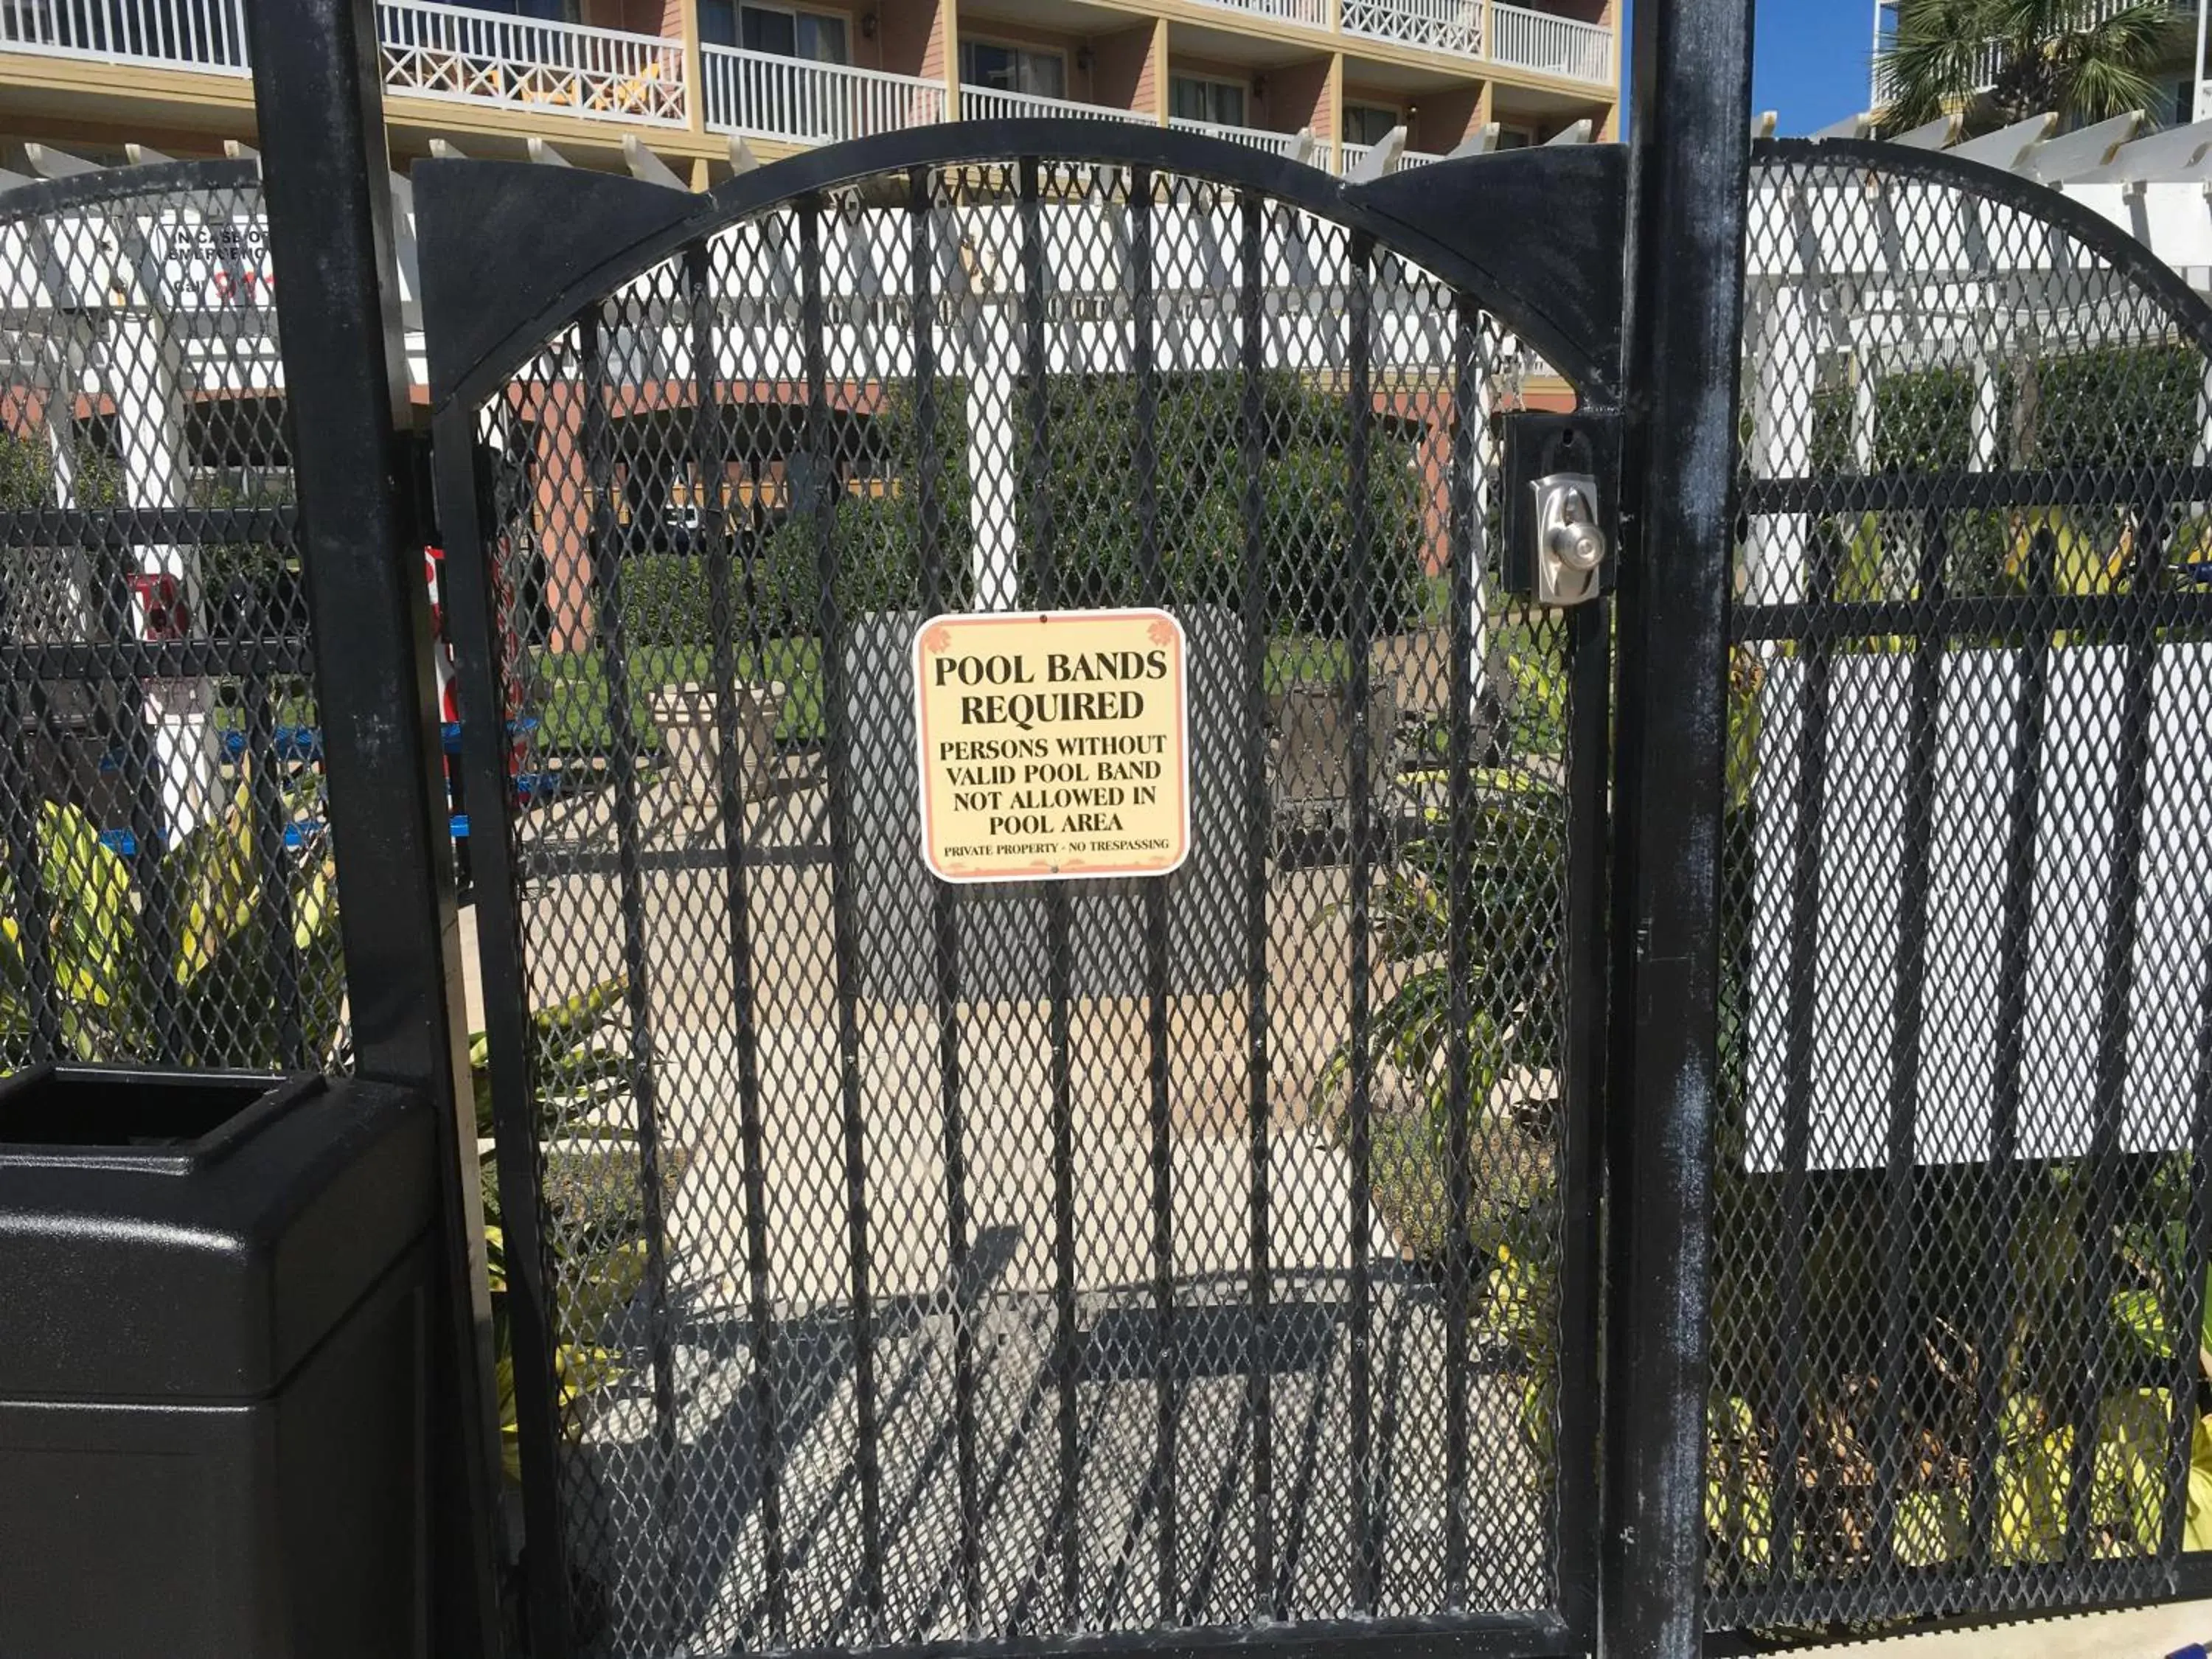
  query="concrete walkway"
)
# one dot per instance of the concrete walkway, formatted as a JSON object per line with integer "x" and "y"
{"x": 2140, "y": 1633}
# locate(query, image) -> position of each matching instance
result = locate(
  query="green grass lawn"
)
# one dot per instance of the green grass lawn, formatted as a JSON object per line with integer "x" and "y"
{"x": 572, "y": 693}
{"x": 572, "y": 702}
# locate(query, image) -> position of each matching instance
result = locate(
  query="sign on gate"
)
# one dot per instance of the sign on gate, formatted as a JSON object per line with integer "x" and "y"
{"x": 1053, "y": 745}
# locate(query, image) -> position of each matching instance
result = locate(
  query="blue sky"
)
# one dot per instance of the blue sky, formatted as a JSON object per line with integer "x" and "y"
{"x": 1809, "y": 60}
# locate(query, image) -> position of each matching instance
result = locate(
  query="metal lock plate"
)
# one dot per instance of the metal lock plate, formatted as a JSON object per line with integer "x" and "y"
{"x": 1570, "y": 547}
{"x": 1558, "y": 472}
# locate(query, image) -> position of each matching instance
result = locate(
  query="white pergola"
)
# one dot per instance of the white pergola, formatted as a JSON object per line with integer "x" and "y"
{"x": 181, "y": 289}
{"x": 1855, "y": 277}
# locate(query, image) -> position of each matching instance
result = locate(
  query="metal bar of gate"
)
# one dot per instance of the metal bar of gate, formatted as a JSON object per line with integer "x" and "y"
{"x": 709, "y": 461}
{"x": 477, "y": 633}
{"x": 319, "y": 102}
{"x": 1268, "y": 1600}
{"x": 611, "y": 614}
{"x": 1809, "y": 792}
{"x": 2116, "y": 1007}
{"x": 1152, "y": 591}
{"x": 837, "y": 738}
{"x": 1469, "y": 414}
{"x": 1360, "y": 565}
{"x": 1911, "y": 972}
{"x": 1688, "y": 159}
{"x": 2016, "y": 909}
{"x": 1058, "y": 967}
{"x": 944, "y": 919}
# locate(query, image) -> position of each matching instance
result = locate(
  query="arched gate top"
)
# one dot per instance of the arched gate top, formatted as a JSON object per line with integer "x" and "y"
{"x": 2100, "y": 236}
{"x": 511, "y": 252}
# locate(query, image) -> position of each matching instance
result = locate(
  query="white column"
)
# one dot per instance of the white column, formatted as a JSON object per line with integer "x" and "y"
{"x": 1781, "y": 439}
{"x": 1481, "y": 458}
{"x": 1987, "y": 433}
{"x": 993, "y": 507}
{"x": 68, "y": 605}
{"x": 145, "y": 381}
{"x": 1864, "y": 417}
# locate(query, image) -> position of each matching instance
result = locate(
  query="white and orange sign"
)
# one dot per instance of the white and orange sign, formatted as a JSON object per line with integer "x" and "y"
{"x": 1053, "y": 745}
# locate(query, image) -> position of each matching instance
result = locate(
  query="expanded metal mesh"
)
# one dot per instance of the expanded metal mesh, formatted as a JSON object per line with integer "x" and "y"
{"x": 933, "y": 1263}
{"x": 166, "y": 895}
{"x": 1961, "y": 1209}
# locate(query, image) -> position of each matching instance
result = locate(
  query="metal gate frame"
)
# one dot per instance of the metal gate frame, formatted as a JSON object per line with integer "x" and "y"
{"x": 1936, "y": 620}
{"x": 510, "y": 253}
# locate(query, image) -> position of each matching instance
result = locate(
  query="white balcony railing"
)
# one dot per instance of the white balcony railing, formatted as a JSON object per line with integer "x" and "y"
{"x": 193, "y": 34}
{"x": 1436, "y": 25}
{"x": 795, "y": 98}
{"x": 469, "y": 57}
{"x": 1314, "y": 14}
{"x": 1279, "y": 144}
{"x": 1552, "y": 46}
{"x": 989, "y": 104}
{"x": 1353, "y": 155}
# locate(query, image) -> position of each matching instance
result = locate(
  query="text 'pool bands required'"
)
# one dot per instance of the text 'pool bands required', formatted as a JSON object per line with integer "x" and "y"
{"x": 1053, "y": 745}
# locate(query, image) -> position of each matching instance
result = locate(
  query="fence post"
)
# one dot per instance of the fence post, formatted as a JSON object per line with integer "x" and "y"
{"x": 325, "y": 176}
{"x": 1688, "y": 171}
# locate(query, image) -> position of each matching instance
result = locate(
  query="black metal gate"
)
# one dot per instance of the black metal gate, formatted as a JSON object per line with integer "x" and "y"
{"x": 1961, "y": 1214}
{"x": 888, "y": 1263}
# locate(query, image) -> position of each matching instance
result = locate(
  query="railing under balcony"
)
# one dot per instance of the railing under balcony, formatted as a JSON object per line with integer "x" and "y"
{"x": 1552, "y": 45}
{"x": 1437, "y": 25}
{"x": 772, "y": 96}
{"x": 469, "y": 57}
{"x": 194, "y": 34}
{"x": 989, "y": 104}
{"x": 1351, "y": 156}
{"x": 1279, "y": 144}
{"x": 1312, "y": 12}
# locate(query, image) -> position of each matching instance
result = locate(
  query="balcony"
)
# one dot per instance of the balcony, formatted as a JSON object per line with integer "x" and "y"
{"x": 1314, "y": 14}
{"x": 1351, "y": 156}
{"x": 467, "y": 56}
{"x": 188, "y": 34}
{"x": 1551, "y": 45}
{"x": 460, "y": 55}
{"x": 990, "y": 104}
{"x": 762, "y": 94}
{"x": 1437, "y": 25}
{"x": 1275, "y": 144}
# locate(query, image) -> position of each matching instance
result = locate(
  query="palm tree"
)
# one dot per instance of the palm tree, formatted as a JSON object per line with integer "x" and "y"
{"x": 2001, "y": 61}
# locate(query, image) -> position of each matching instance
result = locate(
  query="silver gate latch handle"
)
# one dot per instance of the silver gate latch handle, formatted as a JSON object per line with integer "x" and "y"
{"x": 1571, "y": 548}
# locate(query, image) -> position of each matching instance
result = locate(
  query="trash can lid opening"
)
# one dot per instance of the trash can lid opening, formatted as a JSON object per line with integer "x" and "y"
{"x": 182, "y": 1120}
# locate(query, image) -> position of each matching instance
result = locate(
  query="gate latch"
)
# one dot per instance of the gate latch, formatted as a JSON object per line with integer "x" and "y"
{"x": 1556, "y": 472}
{"x": 1570, "y": 547}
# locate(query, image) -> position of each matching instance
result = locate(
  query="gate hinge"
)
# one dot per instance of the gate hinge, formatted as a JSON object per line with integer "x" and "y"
{"x": 418, "y": 504}
{"x": 1559, "y": 478}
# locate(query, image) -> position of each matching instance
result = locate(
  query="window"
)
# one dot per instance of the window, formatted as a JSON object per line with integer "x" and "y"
{"x": 1515, "y": 138}
{"x": 1370, "y": 124}
{"x": 817, "y": 37}
{"x": 1194, "y": 98}
{"x": 550, "y": 11}
{"x": 1010, "y": 69}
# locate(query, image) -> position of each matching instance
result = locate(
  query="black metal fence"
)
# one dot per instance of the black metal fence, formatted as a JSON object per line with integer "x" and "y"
{"x": 169, "y": 887}
{"x": 1199, "y": 1260}
{"x": 1959, "y": 1244}
{"x": 929, "y": 1264}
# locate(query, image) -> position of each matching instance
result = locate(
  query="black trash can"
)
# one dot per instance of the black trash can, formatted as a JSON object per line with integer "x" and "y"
{"x": 213, "y": 1319}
